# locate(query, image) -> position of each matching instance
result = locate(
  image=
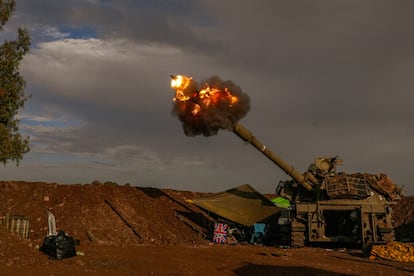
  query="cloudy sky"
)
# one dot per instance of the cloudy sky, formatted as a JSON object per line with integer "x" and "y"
{"x": 325, "y": 78}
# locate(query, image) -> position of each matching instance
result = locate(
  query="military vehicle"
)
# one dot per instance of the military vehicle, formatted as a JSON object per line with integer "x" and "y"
{"x": 332, "y": 207}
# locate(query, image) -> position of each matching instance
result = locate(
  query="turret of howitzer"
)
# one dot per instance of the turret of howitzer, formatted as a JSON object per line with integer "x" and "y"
{"x": 307, "y": 180}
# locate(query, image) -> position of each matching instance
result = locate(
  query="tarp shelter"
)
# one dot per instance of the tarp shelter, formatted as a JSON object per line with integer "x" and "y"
{"x": 243, "y": 205}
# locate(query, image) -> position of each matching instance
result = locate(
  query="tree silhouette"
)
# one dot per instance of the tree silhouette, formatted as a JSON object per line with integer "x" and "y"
{"x": 12, "y": 145}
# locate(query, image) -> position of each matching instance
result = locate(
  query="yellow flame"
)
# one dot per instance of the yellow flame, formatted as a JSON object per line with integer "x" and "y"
{"x": 234, "y": 99}
{"x": 196, "y": 109}
{"x": 179, "y": 83}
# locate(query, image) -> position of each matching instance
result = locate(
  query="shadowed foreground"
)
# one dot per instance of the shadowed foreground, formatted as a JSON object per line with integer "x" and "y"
{"x": 142, "y": 231}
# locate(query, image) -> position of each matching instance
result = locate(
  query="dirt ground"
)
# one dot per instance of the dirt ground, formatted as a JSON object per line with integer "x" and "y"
{"x": 130, "y": 230}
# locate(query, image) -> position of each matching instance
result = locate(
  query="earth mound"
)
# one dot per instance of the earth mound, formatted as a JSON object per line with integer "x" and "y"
{"x": 105, "y": 213}
{"x": 129, "y": 230}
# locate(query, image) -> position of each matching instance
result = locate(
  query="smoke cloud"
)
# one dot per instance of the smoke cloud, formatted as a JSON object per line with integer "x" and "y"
{"x": 205, "y": 116}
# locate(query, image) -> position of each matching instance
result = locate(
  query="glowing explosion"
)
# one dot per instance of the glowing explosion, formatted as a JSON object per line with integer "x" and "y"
{"x": 205, "y": 109}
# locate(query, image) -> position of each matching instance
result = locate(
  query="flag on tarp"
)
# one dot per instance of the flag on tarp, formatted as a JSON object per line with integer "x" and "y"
{"x": 220, "y": 232}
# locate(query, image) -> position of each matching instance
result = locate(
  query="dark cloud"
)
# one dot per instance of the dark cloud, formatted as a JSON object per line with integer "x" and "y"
{"x": 323, "y": 77}
{"x": 165, "y": 22}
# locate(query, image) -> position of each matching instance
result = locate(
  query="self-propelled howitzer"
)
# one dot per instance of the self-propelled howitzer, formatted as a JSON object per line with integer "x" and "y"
{"x": 330, "y": 206}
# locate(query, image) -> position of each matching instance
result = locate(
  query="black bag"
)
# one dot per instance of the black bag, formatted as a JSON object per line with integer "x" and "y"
{"x": 59, "y": 247}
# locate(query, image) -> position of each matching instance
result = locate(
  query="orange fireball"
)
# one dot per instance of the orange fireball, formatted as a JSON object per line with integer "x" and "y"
{"x": 204, "y": 109}
{"x": 206, "y": 97}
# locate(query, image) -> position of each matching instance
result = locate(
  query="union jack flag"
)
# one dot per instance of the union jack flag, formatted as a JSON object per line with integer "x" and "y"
{"x": 220, "y": 232}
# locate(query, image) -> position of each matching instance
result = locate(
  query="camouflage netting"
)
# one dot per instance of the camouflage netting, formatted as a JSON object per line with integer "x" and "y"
{"x": 384, "y": 185}
{"x": 358, "y": 185}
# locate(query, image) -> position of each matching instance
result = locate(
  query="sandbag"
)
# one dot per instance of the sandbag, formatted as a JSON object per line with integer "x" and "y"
{"x": 393, "y": 251}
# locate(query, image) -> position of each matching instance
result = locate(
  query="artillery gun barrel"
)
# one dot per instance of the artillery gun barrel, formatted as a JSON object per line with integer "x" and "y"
{"x": 306, "y": 180}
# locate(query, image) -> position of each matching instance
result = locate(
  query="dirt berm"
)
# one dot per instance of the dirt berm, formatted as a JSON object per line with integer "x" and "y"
{"x": 132, "y": 230}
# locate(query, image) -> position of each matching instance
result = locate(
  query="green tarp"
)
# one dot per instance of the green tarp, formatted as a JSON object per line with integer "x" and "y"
{"x": 281, "y": 202}
{"x": 243, "y": 205}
